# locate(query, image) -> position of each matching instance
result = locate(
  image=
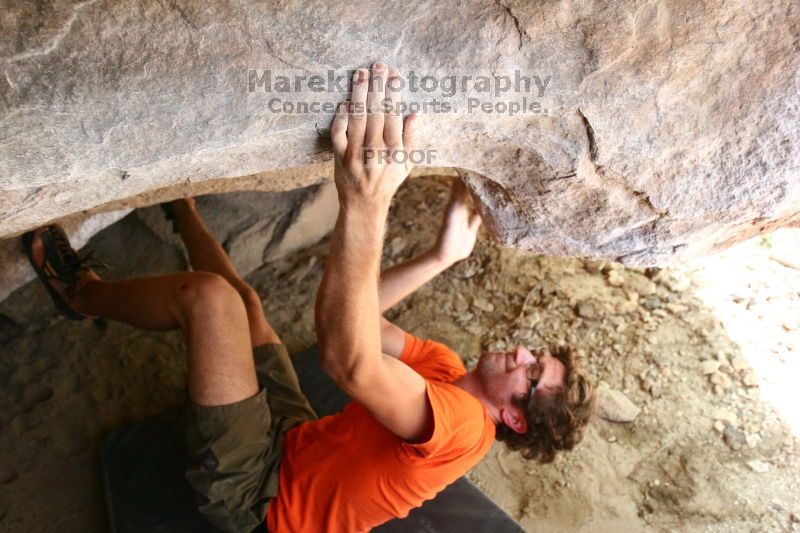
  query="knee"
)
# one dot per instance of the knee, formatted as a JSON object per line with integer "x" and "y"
{"x": 208, "y": 292}
{"x": 249, "y": 296}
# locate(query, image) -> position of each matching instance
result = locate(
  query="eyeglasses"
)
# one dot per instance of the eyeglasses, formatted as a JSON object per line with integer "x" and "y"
{"x": 533, "y": 373}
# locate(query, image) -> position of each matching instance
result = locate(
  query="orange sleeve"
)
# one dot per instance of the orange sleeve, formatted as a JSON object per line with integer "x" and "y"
{"x": 460, "y": 425}
{"x": 431, "y": 359}
{"x": 412, "y": 349}
{"x": 441, "y": 415}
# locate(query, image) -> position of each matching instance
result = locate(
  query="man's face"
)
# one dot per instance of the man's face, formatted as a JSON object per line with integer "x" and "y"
{"x": 509, "y": 375}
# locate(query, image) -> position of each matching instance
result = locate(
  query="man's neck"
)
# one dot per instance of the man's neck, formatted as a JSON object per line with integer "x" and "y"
{"x": 470, "y": 383}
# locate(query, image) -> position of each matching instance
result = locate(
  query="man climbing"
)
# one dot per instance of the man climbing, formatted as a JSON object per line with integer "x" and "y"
{"x": 418, "y": 420}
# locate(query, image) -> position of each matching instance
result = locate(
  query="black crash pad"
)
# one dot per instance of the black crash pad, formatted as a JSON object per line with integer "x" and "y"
{"x": 146, "y": 491}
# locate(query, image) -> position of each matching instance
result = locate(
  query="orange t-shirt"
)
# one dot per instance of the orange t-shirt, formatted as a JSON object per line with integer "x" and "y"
{"x": 346, "y": 472}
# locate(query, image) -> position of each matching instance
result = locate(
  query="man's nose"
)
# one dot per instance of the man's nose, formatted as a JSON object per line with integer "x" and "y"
{"x": 523, "y": 357}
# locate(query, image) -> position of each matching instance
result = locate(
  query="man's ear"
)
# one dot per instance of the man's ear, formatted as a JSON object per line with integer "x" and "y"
{"x": 514, "y": 418}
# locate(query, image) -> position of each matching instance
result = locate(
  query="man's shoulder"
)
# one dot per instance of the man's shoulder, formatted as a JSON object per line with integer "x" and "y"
{"x": 462, "y": 426}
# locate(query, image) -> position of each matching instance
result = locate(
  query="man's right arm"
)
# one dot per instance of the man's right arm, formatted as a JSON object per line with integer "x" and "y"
{"x": 347, "y": 312}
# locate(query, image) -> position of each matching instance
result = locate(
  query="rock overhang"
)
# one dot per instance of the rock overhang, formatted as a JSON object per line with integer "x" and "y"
{"x": 664, "y": 130}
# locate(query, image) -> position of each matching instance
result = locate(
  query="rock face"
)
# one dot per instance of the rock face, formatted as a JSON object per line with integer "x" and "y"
{"x": 663, "y": 128}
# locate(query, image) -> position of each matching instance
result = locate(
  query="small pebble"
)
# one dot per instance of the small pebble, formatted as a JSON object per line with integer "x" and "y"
{"x": 757, "y": 466}
{"x": 727, "y": 416}
{"x": 749, "y": 379}
{"x": 752, "y": 439}
{"x": 7, "y": 474}
{"x": 615, "y": 279}
{"x": 709, "y": 366}
{"x": 71, "y": 441}
{"x": 37, "y": 393}
{"x": 718, "y": 378}
{"x": 739, "y": 363}
{"x": 734, "y": 438}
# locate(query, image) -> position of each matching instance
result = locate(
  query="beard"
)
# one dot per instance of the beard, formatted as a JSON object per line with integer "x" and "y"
{"x": 490, "y": 371}
{"x": 488, "y": 365}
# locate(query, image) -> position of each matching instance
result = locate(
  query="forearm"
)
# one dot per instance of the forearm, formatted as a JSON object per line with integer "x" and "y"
{"x": 403, "y": 279}
{"x": 347, "y": 307}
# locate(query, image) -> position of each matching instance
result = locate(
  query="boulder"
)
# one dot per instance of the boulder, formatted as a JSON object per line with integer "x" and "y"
{"x": 259, "y": 227}
{"x": 650, "y": 131}
{"x": 311, "y": 220}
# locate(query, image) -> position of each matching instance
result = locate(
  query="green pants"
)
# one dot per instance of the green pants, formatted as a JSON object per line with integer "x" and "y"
{"x": 235, "y": 449}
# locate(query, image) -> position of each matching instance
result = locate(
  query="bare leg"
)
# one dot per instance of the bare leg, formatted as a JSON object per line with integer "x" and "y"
{"x": 206, "y": 254}
{"x": 204, "y": 306}
{"x": 208, "y": 310}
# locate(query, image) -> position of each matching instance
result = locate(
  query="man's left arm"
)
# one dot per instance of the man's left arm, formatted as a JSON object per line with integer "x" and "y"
{"x": 455, "y": 241}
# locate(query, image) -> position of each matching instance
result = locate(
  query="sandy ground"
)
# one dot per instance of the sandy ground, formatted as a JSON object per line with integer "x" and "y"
{"x": 708, "y": 351}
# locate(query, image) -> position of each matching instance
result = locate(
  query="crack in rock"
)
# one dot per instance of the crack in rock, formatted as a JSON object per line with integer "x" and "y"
{"x": 589, "y": 136}
{"x": 182, "y": 14}
{"x": 43, "y": 51}
{"x": 521, "y": 32}
{"x": 644, "y": 197}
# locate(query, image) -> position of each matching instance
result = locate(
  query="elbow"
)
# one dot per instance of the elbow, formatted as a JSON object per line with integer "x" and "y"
{"x": 328, "y": 366}
{"x": 343, "y": 376}
{"x": 334, "y": 367}
{"x": 345, "y": 372}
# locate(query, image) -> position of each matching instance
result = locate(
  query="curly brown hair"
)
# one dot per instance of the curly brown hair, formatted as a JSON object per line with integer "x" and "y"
{"x": 557, "y": 420}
